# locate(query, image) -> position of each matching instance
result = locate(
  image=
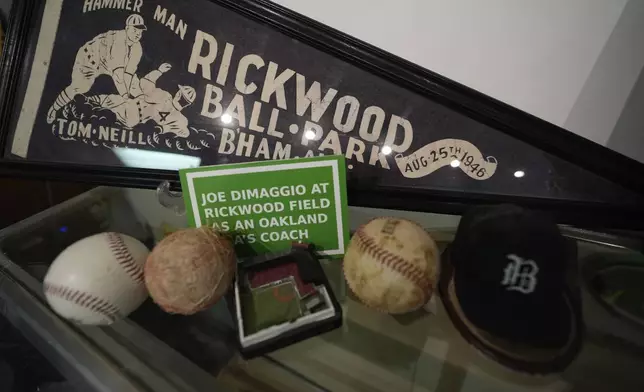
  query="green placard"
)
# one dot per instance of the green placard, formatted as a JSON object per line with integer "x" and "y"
{"x": 267, "y": 206}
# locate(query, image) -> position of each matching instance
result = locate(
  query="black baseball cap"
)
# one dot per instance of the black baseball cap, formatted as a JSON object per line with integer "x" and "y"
{"x": 505, "y": 285}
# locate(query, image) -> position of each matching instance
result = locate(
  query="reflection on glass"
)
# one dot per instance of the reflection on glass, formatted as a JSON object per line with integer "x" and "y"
{"x": 132, "y": 157}
{"x": 310, "y": 134}
{"x": 226, "y": 118}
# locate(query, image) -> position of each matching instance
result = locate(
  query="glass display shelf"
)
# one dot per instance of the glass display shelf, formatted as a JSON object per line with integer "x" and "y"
{"x": 23, "y": 367}
{"x": 372, "y": 351}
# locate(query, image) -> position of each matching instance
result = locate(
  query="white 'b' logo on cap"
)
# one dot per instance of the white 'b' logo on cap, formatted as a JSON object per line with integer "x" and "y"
{"x": 520, "y": 275}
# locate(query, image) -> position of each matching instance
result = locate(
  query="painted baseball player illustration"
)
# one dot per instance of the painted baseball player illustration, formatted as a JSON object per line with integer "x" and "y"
{"x": 116, "y": 53}
{"x": 153, "y": 104}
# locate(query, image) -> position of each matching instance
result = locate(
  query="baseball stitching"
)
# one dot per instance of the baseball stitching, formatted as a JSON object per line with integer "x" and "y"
{"x": 395, "y": 262}
{"x": 124, "y": 257}
{"x": 85, "y": 300}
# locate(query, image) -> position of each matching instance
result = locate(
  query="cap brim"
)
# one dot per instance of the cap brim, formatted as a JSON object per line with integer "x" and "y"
{"x": 516, "y": 356}
{"x": 140, "y": 27}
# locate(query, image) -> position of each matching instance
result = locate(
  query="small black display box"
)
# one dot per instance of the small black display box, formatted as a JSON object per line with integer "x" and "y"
{"x": 281, "y": 299}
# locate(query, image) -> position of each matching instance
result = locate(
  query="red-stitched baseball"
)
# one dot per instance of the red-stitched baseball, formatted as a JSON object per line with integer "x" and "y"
{"x": 391, "y": 265}
{"x": 98, "y": 279}
{"x": 85, "y": 300}
{"x": 124, "y": 257}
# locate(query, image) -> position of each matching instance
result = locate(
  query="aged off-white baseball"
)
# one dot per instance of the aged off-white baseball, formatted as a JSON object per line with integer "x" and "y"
{"x": 98, "y": 280}
{"x": 190, "y": 270}
{"x": 391, "y": 265}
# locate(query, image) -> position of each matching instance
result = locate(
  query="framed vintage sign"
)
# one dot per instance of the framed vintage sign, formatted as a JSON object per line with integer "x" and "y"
{"x": 126, "y": 92}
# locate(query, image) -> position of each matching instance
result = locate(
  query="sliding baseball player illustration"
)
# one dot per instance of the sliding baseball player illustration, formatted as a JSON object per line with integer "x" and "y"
{"x": 116, "y": 53}
{"x": 153, "y": 104}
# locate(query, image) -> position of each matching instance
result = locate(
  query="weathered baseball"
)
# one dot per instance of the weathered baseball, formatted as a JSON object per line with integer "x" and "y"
{"x": 97, "y": 280}
{"x": 190, "y": 270}
{"x": 391, "y": 265}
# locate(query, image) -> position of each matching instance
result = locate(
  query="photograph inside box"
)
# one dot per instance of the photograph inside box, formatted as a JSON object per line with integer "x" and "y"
{"x": 276, "y": 294}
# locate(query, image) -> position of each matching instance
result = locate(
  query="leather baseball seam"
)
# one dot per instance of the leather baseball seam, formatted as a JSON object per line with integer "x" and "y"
{"x": 85, "y": 300}
{"x": 395, "y": 262}
{"x": 124, "y": 257}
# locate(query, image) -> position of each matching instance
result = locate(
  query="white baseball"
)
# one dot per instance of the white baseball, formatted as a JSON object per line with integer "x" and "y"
{"x": 98, "y": 280}
{"x": 391, "y": 265}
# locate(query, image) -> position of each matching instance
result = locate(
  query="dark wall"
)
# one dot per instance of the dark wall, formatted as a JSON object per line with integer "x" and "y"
{"x": 628, "y": 135}
{"x": 5, "y": 7}
{"x": 20, "y": 199}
